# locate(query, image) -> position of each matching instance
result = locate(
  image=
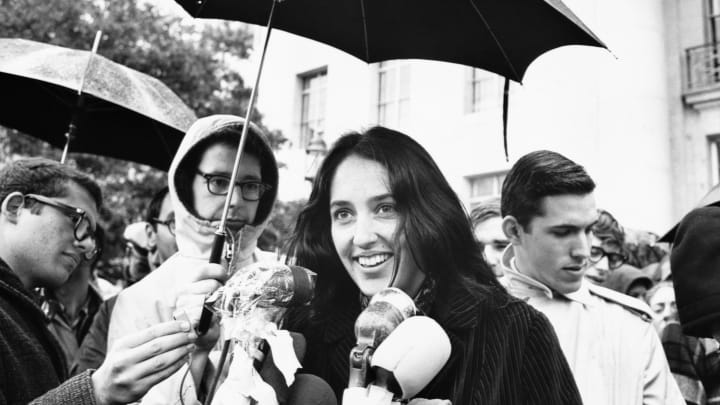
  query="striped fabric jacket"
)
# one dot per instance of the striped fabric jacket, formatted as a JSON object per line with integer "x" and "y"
{"x": 503, "y": 355}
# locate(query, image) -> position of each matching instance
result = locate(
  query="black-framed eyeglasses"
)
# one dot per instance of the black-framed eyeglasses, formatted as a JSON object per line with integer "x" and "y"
{"x": 615, "y": 260}
{"x": 219, "y": 184}
{"x": 170, "y": 223}
{"x": 82, "y": 226}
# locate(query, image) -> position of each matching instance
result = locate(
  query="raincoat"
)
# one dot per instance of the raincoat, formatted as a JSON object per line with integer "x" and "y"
{"x": 607, "y": 337}
{"x": 153, "y": 299}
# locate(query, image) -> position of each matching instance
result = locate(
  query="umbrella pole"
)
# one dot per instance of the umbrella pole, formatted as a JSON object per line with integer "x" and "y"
{"x": 72, "y": 127}
{"x": 219, "y": 240}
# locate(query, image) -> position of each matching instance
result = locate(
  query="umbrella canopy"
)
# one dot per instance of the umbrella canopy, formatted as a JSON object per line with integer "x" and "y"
{"x": 127, "y": 114}
{"x": 711, "y": 199}
{"x": 501, "y": 36}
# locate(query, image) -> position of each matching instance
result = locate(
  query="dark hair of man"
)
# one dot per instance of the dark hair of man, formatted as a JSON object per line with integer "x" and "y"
{"x": 45, "y": 177}
{"x": 433, "y": 221}
{"x": 538, "y": 175}
{"x": 155, "y": 206}
{"x": 230, "y": 136}
{"x": 486, "y": 210}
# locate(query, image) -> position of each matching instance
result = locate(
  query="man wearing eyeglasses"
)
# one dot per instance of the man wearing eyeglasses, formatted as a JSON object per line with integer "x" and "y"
{"x": 606, "y": 251}
{"x": 199, "y": 181}
{"x": 549, "y": 212}
{"x": 48, "y": 221}
{"x": 160, "y": 229}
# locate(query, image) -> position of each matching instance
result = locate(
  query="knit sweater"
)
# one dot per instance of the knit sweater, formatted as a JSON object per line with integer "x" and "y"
{"x": 506, "y": 354}
{"x": 31, "y": 361}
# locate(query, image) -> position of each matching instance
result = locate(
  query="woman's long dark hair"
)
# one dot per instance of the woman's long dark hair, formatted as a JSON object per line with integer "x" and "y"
{"x": 434, "y": 223}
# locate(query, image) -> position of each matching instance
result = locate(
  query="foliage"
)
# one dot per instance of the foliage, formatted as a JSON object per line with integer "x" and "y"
{"x": 281, "y": 226}
{"x": 194, "y": 59}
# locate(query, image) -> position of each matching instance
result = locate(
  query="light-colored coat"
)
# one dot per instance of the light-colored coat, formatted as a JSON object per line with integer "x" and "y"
{"x": 608, "y": 340}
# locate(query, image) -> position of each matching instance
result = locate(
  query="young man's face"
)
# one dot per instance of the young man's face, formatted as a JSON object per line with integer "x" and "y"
{"x": 218, "y": 159}
{"x": 489, "y": 232}
{"x": 555, "y": 247}
{"x": 160, "y": 236}
{"x": 44, "y": 245}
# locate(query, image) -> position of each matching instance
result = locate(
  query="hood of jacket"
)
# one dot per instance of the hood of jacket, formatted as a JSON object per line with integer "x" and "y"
{"x": 195, "y": 235}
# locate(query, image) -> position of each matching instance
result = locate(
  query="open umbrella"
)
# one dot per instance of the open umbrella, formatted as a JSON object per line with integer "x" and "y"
{"x": 124, "y": 114}
{"x": 501, "y": 36}
{"x": 711, "y": 199}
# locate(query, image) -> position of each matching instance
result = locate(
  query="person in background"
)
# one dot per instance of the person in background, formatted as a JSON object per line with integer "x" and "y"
{"x": 71, "y": 308}
{"x": 48, "y": 220}
{"x": 159, "y": 241}
{"x": 606, "y": 253}
{"x": 691, "y": 345}
{"x": 661, "y": 299}
{"x": 381, "y": 214}
{"x": 630, "y": 281}
{"x": 160, "y": 229}
{"x": 199, "y": 181}
{"x": 549, "y": 216}
{"x": 487, "y": 227}
{"x": 135, "y": 261}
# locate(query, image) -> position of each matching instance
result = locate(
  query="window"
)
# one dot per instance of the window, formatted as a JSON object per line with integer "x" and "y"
{"x": 483, "y": 90}
{"x": 713, "y": 14}
{"x": 312, "y": 105}
{"x": 393, "y": 94}
{"x": 714, "y": 143}
{"x": 486, "y": 186}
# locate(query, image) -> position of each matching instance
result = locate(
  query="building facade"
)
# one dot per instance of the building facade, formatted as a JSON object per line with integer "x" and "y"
{"x": 628, "y": 115}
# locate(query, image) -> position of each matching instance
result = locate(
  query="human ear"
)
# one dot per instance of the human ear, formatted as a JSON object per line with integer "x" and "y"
{"x": 11, "y": 206}
{"x": 151, "y": 237}
{"x": 512, "y": 229}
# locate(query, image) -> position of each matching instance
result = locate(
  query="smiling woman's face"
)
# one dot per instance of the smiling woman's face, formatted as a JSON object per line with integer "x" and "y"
{"x": 364, "y": 221}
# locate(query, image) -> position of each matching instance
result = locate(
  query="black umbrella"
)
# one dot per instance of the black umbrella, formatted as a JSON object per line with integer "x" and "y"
{"x": 124, "y": 114}
{"x": 501, "y": 36}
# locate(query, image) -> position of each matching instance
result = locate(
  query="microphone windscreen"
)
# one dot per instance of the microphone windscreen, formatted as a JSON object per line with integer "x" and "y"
{"x": 386, "y": 310}
{"x": 309, "y": 389}
{"x": 414, "y": 352}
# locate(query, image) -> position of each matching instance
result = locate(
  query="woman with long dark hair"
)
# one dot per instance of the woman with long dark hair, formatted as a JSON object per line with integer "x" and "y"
{"x": 381, "y": 214}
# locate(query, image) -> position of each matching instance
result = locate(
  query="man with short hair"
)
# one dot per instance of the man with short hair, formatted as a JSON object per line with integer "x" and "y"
{"x": 199, "y": 180}
{"x": 48, "y": 218}
{"x": 487, "y": 227}
{"x": 71, "y": 307}
{"x": 160, "y": 229}
{"x": 549, "y": 210}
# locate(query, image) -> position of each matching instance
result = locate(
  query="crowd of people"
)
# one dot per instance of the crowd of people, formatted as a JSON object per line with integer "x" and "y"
{"x": 545, "y": 298}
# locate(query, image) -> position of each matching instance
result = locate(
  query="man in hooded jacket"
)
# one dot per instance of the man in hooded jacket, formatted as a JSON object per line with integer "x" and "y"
{"x": 198, "y": 180}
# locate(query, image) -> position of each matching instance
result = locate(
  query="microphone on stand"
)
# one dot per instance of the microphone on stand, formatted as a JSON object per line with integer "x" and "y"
{"x": 397, "y": 354}
{"x": 411, "y": 356}
{"x": 386, "y": 310}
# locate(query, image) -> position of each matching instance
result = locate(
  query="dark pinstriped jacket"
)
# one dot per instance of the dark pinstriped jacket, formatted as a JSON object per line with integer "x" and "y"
{"x": 503, "y": 355}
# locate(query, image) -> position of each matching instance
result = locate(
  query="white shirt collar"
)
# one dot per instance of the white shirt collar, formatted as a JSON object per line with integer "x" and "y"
{"x": 582, "y": 295}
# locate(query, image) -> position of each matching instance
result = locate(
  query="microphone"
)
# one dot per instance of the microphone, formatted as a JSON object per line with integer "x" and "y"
{"x": 309, "y": 389}
{"x": 412, "y": 355}
{"x": 386, "y": 310}
{"x": 404, "y": 363}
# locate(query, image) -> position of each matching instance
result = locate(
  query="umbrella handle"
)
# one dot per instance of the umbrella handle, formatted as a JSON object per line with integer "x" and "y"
{"x": 215, "y": 254}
